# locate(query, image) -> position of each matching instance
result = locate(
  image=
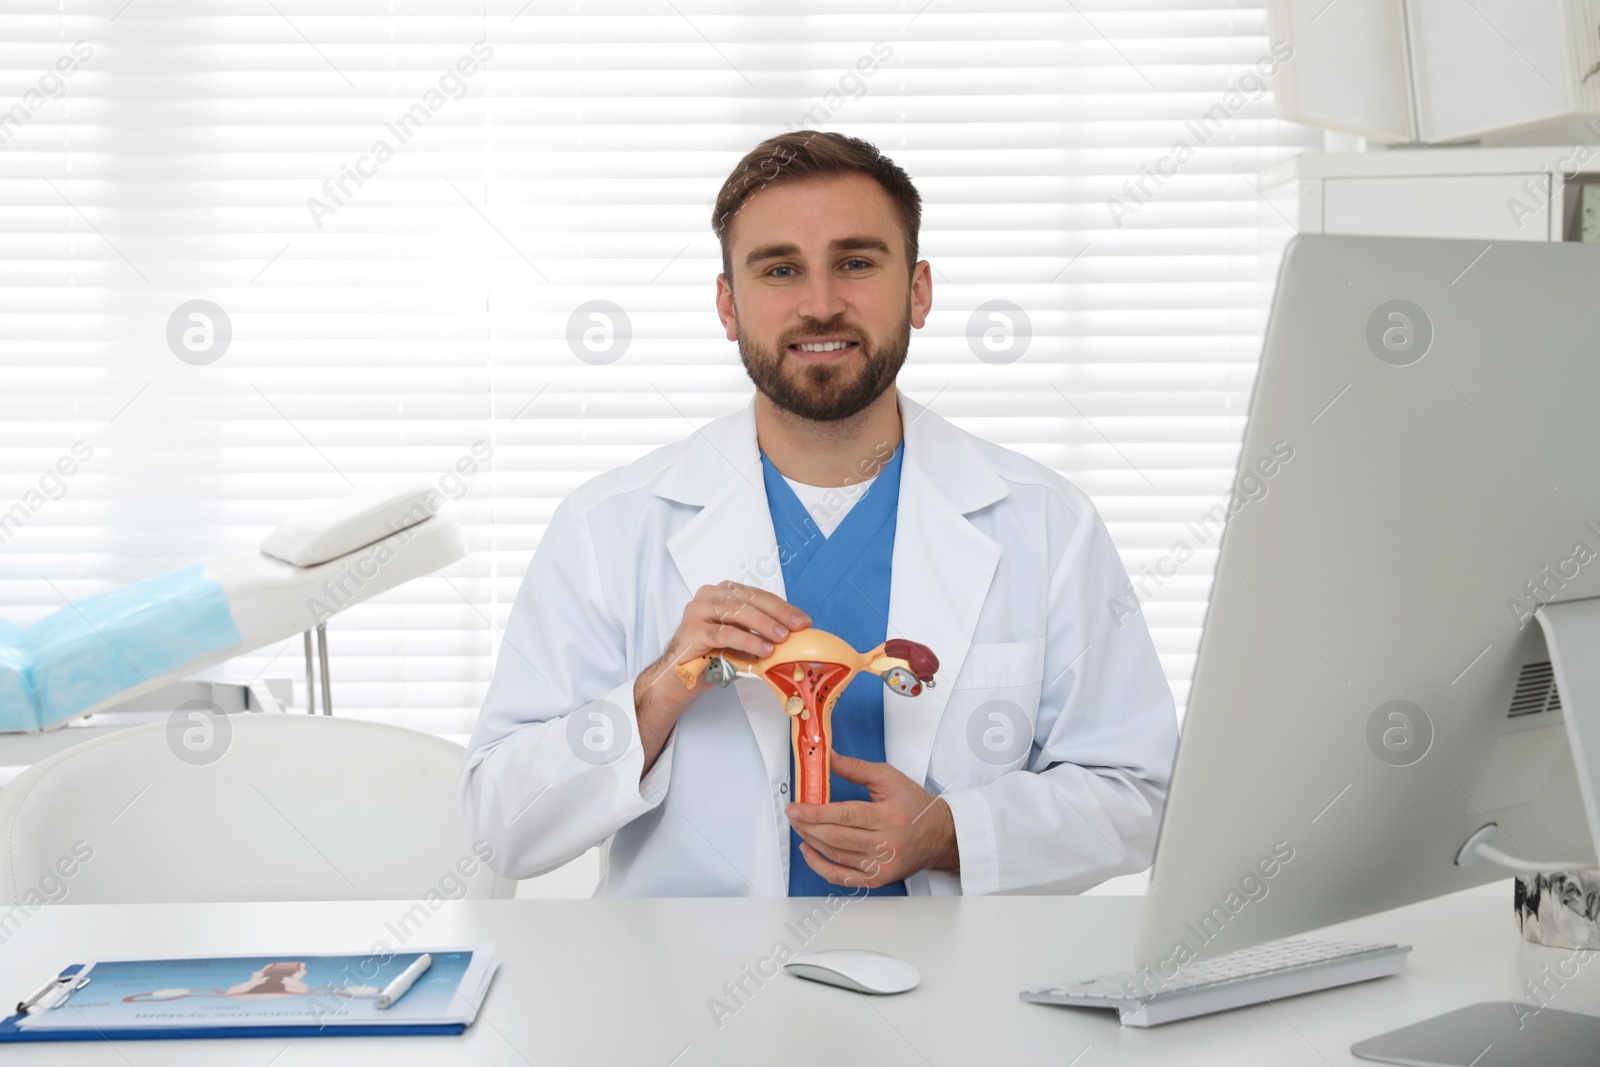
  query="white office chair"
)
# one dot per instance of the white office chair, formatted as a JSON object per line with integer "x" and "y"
{"x": 242, "y": 807}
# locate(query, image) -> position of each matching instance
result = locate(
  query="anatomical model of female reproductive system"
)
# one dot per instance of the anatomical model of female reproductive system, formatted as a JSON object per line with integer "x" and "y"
{"x": 808, "y": 670}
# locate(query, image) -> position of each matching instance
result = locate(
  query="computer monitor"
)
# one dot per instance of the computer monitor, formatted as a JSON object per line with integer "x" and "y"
{"x": 1420, "y": 472}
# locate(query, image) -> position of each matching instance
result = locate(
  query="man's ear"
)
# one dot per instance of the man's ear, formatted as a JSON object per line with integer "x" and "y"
{"x": 921, "y": 293}
{"x": 725, "y": 307}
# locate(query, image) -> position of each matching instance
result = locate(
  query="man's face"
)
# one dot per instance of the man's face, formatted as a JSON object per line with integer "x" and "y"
{"x": 820, "y": 300}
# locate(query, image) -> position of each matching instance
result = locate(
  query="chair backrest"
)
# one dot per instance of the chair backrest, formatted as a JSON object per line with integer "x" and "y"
{"x": 243, "y": 807}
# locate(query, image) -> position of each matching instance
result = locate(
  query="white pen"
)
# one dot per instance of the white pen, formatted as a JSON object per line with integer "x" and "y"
{"x": 403, "y": 981}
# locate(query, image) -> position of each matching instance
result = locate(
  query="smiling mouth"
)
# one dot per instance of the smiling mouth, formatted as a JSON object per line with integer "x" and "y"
{"x": 823, "y": 350}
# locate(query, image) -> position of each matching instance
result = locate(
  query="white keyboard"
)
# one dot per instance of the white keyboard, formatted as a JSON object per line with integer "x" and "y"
{"x": 1252, "y": 975}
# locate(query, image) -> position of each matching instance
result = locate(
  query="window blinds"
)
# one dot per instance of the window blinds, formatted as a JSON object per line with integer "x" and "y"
{"x": 256, "y": 256}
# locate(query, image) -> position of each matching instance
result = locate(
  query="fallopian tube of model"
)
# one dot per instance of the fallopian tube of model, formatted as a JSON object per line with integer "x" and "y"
{"x": 808, "y": 670}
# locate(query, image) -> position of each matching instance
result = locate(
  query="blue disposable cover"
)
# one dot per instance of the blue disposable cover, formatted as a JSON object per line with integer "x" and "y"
{"x": 103, "y": 645}
{"x": 16, "y": 699}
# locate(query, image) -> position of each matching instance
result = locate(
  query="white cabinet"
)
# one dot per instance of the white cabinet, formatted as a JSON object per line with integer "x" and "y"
{"x": 1442, "y": 206}
{"x": 1436, "y": 71}
{"x": 1492, "y": 194}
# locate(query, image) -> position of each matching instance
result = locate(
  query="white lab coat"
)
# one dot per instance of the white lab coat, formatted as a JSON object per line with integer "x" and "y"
{"x": 1001, "y": 566}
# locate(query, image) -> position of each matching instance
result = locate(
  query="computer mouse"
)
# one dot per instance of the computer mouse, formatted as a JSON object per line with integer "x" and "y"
{"x": 856, "y": 969}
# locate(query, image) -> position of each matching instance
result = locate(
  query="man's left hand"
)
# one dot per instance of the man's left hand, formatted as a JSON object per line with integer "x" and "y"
{"x": 903, "y": 829}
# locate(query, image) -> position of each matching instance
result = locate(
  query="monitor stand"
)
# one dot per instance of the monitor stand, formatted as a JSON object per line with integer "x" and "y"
{"x": 1498, "y": 1033}
{"x": 1492, "y": 1034}
{"x": 1572, "y": 637}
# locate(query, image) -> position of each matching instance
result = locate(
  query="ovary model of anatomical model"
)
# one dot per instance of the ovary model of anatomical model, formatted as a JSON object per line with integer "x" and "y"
{"x": 808, "y": 670}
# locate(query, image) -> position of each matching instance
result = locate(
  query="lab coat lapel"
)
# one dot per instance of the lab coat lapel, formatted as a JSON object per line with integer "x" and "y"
{"x": 731, "y": 537}
{"x": 943, "y": 566}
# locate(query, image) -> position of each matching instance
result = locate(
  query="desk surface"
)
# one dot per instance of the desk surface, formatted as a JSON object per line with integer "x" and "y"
{"x": 630, "y": 982}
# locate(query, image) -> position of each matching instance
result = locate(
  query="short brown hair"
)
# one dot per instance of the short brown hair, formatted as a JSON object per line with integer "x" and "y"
{"x": 807, "y": 154}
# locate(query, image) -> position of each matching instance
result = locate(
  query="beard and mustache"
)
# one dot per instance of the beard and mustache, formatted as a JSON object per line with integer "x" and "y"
{"x": 826, "y": 392}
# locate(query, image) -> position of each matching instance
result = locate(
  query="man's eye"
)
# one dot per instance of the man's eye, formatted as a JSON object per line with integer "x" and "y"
{"x": 857, "y": 264}
{"x": 775, "y": 271}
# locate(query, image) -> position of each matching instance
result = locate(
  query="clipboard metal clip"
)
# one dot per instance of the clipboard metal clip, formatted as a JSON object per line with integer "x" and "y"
{"x": 53, "y": 993}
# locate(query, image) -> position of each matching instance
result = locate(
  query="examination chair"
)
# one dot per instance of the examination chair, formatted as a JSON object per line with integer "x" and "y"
{"x": 269, "y": 807}
{"x": 109, "y": 649}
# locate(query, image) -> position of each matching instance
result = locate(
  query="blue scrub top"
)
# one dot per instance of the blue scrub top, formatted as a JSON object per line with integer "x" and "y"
{"x": 842, "y": 582}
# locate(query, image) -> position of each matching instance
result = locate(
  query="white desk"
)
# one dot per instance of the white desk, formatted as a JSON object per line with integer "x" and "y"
{"x": 627, "y": 982}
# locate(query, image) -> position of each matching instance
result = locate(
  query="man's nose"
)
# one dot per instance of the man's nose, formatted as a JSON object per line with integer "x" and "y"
{"x": 821, "y": 298}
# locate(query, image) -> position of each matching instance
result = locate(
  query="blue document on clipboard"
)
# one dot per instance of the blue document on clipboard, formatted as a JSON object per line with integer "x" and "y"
{"x": 358, "y": 994}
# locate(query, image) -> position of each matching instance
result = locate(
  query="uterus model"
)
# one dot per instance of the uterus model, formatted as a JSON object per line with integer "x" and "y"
{"x": 808, "y": 670}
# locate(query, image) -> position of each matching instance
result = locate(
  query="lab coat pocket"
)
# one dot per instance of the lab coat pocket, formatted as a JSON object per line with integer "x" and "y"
{"x": 987, "y": 727}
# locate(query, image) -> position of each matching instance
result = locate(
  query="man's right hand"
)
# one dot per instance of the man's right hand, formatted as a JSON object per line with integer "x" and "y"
{"x": 725, "y": 615}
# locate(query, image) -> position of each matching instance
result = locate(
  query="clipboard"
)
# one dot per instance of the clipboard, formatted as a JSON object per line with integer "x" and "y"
{"x": 281, "y": 1002}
